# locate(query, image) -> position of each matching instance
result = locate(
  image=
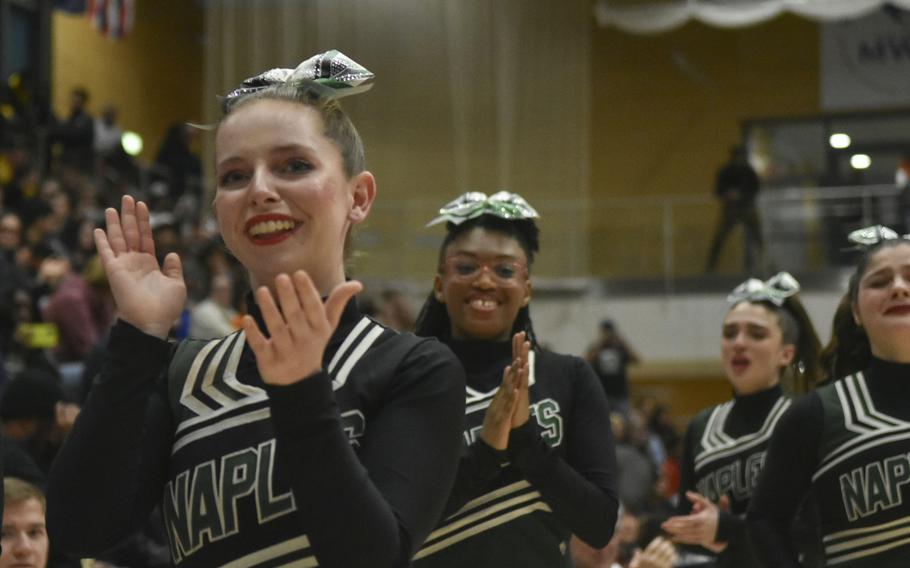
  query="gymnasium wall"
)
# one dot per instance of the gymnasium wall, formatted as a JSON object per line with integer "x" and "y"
{"x": 154, "y": 75}
{"x": 665, "y": 110}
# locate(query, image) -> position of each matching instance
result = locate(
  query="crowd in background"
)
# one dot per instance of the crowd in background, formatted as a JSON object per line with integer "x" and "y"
{"x": 56, "y": 309}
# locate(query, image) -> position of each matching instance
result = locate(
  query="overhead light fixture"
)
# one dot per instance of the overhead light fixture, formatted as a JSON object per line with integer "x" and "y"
{"x": 860, "y": 161}
{"x": 839, "y": 140}
{"x": 132, "y": 143}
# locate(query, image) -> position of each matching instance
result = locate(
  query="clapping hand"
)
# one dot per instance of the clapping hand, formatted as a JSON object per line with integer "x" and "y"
{"x": 510, "y": 407}
{"x": 699, "y": 527}
{"x": 299, "y": 327}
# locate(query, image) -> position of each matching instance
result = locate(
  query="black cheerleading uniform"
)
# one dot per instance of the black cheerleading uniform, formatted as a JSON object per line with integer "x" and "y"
{"x": 723, "y": 454}
{"x": 518, "y": 507}
{"x": 848, "y": 446}
{"x": 350, "y": 467}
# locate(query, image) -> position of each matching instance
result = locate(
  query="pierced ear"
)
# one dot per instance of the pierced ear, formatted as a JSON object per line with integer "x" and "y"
{"x": 364, "y": 192}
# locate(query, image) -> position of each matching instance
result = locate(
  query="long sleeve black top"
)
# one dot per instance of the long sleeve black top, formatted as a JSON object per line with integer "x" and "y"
{"x": 723, "y": 451}
{"x": 830, "y": 445}
{"x": 349, "y": 467}
{"x": 558, "y": 475}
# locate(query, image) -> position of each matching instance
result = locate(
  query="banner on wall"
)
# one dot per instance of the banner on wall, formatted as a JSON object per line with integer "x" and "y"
{"x": 865, "y": 63}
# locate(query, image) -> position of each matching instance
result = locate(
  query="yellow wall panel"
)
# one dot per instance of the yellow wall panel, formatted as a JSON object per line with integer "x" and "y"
{"x": 153, "y": 75}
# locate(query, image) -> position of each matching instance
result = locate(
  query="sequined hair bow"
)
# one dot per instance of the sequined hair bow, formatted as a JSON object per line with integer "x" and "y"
{"x": 473, "y": 204}
{"x": 333, "y": 73}
{"x": 775, "y": 290}
{"x": 868, "y": 237}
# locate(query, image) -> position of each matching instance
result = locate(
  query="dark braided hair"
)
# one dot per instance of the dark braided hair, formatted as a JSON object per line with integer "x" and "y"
{"x": 433, "y": 320}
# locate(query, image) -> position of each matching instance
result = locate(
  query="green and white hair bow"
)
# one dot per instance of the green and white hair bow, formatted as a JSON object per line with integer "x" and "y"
{"x": 868, "y": 237}
{"x": 473, "y": 204}
{"x": 333, "y": 73}
{"x": 775, "y": 290}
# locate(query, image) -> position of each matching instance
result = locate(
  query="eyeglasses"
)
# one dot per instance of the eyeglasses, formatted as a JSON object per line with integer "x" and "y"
{"x": 467, "y": 268}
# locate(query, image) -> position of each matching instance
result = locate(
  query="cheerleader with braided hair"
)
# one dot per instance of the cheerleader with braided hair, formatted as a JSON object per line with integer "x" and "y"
{"x": 538, "y": 462}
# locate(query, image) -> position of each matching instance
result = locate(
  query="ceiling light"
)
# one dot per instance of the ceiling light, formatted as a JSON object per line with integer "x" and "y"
{"x": 860, "y": 161}
{"x": 839, "y": 140}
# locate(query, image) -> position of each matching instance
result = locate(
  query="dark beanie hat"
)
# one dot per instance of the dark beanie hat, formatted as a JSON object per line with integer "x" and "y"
{"x": 33, "y": 394}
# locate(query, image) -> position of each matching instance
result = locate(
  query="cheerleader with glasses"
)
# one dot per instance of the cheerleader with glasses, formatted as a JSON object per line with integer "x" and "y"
{"x": 314, "y": 436}
{"x": 538, "y": 462}
{"x": 847, "y": 444}
{"x": 766, "y": 335}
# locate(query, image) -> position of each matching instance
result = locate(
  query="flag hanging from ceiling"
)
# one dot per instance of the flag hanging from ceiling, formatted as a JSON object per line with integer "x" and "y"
{"x": 112, "y": 18}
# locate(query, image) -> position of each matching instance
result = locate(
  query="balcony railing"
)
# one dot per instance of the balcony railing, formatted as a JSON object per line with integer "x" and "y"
{"x": 659, "y": 241}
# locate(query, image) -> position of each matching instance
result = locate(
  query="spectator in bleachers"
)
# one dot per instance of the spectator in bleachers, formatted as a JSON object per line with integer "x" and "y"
{"x": 661, "y": 428}
{"x": 16, "y": 171}
{"x": 34, "y": 414}
{"x": 207, "y": 258}
{"x": 24, "y": 350}
{"x": 11, "y": 279}
{"x": 107, "y": 132}
{"x": 214, "y": 317}
{"x": 80, "y": 314}
{"x": 10, "y": 235}
{"x": 76, "y": 134}
{"x": 610, "y": 357}
{"x": 24, "y": 533}
{"x": 41, "y": 231}
{"x": 637, "y": 471}
{"x": 81, "y": 244}
{"x": 177, "y": 166}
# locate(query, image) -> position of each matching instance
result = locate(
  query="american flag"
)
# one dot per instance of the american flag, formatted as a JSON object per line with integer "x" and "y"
{"x": 112, "y": 18}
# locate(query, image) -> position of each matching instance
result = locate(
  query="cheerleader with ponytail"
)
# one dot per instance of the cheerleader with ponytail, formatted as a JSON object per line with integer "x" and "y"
{"x": 766, "y": 340}
{"x": 847, "y": 445}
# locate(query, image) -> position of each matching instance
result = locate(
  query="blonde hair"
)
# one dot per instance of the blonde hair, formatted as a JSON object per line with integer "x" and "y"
{"x": 17, "y": 491}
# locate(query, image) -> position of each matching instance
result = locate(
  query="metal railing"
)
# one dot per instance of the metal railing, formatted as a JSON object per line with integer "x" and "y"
{"x": 660, "y": 239}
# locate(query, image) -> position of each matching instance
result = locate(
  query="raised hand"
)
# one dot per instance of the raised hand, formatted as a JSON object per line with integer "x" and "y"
{"x": 299, "y": 327}
{"x": 698, "y": 527}
{"x": 148, "y": 296}
{"x": 520, "y": 349}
